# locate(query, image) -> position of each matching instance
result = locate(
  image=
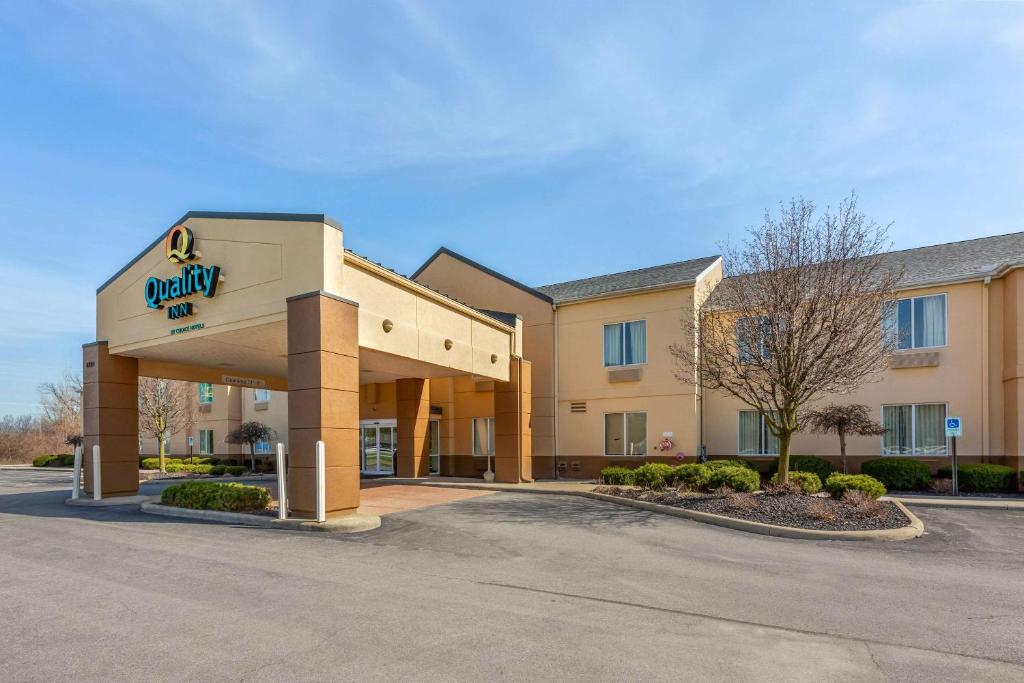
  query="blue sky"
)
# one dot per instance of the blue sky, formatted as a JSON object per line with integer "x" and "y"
{"x": 615, "y": 135}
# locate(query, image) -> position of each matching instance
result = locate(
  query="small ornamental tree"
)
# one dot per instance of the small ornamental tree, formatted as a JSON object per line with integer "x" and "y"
{"x": 800, "y": 315}
{"x": 843, "y": 420}
{"x": 165, "y": 408}
{"x": 251, "y": 433}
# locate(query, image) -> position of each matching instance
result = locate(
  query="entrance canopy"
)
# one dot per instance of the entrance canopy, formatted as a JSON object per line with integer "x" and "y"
{"x": 165, "y": 308}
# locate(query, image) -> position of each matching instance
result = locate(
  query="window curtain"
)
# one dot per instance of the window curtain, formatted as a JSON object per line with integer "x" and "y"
{"x": 896, "y": 420}
{"x": 613, "y": 344}
{"x": 930, "y": 321}
{"x": 750, "y": 432}
{"x": 930, "y": 429}
{"x": 636, "y": 342}
{"x": 636, "y": 433}
{"x": 771, "y": 442}
{"x": 483, "y": 439}
{"x": 614, "y": 438}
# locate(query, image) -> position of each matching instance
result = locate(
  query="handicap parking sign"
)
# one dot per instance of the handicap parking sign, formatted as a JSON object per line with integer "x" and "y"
{"x": 953, "y": 426}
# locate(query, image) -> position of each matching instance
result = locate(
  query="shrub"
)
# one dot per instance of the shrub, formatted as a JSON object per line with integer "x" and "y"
{"x": 819, "y": 508}
{"x": 653, "y": 475}
{"x": 837, "y": 484}
{"x": 235, "y": 470}
{"x": 228, "y": 462}
{"x": 213, "y": 495}
{"x": 898, "y": 473}
{"x": 864, "y": 502}
{"x": 217, "y": 469}
{"x": 741, "y": 479}
{"x": 693, "y": 476}
{"x": 68, "y": 460}
{"x": 153, "y": 463}
{"x": 617, "y": 476}
{"x": 941, "y": 486}
{"x": 735, "y": 462}
{"x": 741, "y": 501}
{"x": 778, "y": 488}
{"x": 42, "y": 461}
{"x": 805, "y": 463}
{"x": 807, "y": 482}
{"x": 981, "y": 477}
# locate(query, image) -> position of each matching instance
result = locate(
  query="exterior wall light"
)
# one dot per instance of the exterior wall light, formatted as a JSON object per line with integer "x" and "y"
{"x": 387, "y": 325}
{"x": 494, "y": 358}
{"x": 448, "y": 344}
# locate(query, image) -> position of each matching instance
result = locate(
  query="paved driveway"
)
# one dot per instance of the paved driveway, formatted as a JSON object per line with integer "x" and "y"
{"x": 505, "y": 586}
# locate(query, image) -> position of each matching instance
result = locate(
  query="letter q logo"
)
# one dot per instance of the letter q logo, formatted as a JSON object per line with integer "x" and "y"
{"x": 181, "y": 245}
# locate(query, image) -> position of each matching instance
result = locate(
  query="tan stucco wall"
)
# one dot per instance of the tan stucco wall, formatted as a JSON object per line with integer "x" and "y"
{"x": 478, "y": 288}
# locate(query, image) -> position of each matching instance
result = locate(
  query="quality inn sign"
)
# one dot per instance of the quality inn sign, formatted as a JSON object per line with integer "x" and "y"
{"x": 193, "y": 279}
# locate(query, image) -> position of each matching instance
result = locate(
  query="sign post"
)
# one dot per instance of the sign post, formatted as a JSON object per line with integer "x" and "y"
{"x": 954, "y": 428}
{"x": 190, "y": 449}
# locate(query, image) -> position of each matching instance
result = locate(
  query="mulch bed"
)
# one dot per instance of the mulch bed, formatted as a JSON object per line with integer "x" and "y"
{"x": 785, "y": 510}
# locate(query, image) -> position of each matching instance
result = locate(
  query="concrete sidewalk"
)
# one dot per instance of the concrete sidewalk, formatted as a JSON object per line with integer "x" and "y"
{"x": 962, "y": 502}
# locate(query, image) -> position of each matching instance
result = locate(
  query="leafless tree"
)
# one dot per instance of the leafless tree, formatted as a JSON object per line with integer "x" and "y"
{"x": 62, "y": 406}
{"x": 799, "y": 315}
{"x": 165, "y": 408}
{"x": 843, "y": 420}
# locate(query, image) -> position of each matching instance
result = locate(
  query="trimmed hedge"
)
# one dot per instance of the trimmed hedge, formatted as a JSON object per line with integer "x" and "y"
{"x": 837, "y": 484}
{"x": 735, "y": 462}
{"x": 57, "y": 460}
{"x": 898, "y": 473}
{"x": 805, "y": 463}
{"x": 693, "y": 476}
{"x": 217, "y": 470}
{"x": 215, "y": 495}
{"x": 981, "y": 477}
{"x": 653, "y": 475}
{"x": 617, "y": 476}
{"x": 737, "y": 478}
{"x": 809, "y": 482}
{"x": 235, "y": 470}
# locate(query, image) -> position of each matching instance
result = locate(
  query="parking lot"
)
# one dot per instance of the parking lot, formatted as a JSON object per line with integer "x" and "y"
{"x": 506, "y": 586}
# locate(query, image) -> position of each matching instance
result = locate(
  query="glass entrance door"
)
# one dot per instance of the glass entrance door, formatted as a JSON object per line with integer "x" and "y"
{"x": 378, "y": 440}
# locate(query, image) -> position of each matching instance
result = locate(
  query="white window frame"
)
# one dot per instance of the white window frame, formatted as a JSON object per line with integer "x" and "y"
{"x": 261, "y": 395}
{"x": 625, "y": 433}
{"x": 765, "y": 353}
{"x": 434, "y": 447}
{"x": 264, "y": 448}
{"x": 622, "y": 324}
{"x": 490, "y": 436}
{"x": 208, "y": 450}
{"x": 945, "y": 324}
{"x": 763, "y": 438}
{"x": 914, "y": 452}
{"x": 203, "y": 400}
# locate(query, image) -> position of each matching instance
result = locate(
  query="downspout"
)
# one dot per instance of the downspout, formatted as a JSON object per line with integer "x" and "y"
{"x": 554, "y": 455}
{"x": 985, "y": 438}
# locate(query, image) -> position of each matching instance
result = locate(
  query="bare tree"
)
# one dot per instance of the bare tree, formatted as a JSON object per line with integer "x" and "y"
{"x": 62, "y": 405}
{"x": 800, "y": 315}
{"x": 165, "y": 408}
{"x": 250, "y": 434}
{"x": 843, "y": 420}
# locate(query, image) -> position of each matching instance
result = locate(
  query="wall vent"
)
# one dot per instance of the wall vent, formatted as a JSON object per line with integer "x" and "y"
{"x": 578, "y": 407}
{"x": 920, "y": 359}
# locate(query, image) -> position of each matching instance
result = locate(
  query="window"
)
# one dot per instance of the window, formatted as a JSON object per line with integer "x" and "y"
{"x": 206, "y": 441}
{"x": 751, "y": 338}
{"x": 261, "y": 395}
{"x": 435, "y": 446}
{"x": 918, "y": 322}
{"x": 625, "y": 433}
{"x": 264, "y": 448}
{"x": 754, "y": 436}
{"x": 625, "y": 343}
{"x": 483, "y": 436}
{"x": 914, "y": 429}
{"x": 205, "y": 393}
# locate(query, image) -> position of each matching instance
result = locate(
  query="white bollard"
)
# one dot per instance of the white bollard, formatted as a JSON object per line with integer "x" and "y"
{"x": 97, "y": 475}
{"x": 76, "y": 475}
{"x": 282, "y": 484}
{"x": 321, "y": 484}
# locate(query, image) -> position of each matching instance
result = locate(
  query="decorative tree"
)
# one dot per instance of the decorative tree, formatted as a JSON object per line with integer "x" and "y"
{"x": 842, "y": 420}
{"x": 801, "y": 314}
{"x": 251, "y": 433}
{"x": 165, "y": 408}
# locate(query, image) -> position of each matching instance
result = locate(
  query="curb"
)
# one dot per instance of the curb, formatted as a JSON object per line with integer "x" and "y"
{"x": 349, "y": 524}
{"x": 914, "y": 530}
{"x": 112, "y": 501}
{"x": 964, "y": 504}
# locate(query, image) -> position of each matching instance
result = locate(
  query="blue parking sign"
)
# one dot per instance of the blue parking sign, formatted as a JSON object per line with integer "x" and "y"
{"x": 953, "y": 426}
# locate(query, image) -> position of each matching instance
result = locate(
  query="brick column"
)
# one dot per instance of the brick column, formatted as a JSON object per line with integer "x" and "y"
{"x": 323, "y": 401}
{"x": 413, "y": 413}
{"x": 110, "y": 416}
{"x": 512, "y": 429}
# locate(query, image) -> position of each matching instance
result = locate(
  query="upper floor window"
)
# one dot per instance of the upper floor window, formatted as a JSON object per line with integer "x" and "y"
{"x": 751, "y": 338}
{"x": 754, "y": 436}
{"x": 625, "y": 343}
{"x": 261, "y": 395}
{"x": 264, "y": 448}
{"x": 205, "y": 392}
{"x": 914, "y": 429}
{"x": 917, "y": 322}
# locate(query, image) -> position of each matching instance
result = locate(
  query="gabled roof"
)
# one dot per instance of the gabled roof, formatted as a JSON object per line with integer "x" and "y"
{"x": 482, "y": 268}
{"x": 965, "y": 260}
{"x": 669, "y": 274}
